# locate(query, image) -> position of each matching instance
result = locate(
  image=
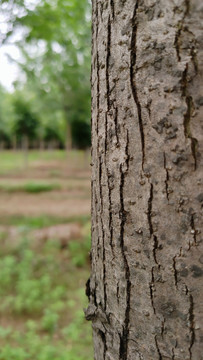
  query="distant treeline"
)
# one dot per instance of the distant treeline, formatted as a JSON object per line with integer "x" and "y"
{"x": 21, "y": 126}
{"x": 50, "y": 103}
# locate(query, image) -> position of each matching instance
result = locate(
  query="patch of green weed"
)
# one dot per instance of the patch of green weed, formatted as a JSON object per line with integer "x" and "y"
{"x": 38, "y": 222}
{"x": 79, "y": 251}
{"x": 31, "y": 187}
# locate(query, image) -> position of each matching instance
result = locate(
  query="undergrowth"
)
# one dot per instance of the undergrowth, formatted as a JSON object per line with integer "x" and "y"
{"x": 42, "y": 299}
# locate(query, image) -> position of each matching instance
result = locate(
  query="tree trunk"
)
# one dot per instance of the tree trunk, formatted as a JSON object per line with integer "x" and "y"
{"x": 145, "y": 288}
{"x": 2, "y": 145}
{"x": 14, "y": 143}
{"x": 68, "y": 137}
{"x": 41, "y": 145}
{"x": 25, "y": 149}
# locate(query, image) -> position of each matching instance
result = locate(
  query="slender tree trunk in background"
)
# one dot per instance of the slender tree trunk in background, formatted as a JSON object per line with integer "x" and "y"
{"x": 2, "y": 145}
{"x": 68, "y": 137}
{"x": 41, "y": 145}
{"x": 14, "y": 142}
{"x": 25, "y": 148}
{"x": 145, "y": 289}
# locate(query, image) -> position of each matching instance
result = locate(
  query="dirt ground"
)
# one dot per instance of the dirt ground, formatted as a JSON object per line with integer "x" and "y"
{"x": 44, "y": 254}
{"x": 61, "y": 204}
{"x": 71, "y": 199}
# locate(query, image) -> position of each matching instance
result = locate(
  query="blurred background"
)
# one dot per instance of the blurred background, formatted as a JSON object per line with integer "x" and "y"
{"x": 44, "y": 179}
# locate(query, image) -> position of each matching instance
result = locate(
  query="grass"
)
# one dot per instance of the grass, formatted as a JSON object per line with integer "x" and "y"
{"x": 14, "y": 160}
{"x": 41, "y": 301}
{"x": 39, "y": 222}
{"x": 30, "y": 187}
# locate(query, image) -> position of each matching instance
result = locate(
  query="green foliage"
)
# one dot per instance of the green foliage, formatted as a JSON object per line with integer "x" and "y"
{"x": 6, "y": 117}
{"x": 4, "y": 135}
{"x": 81, "y": 134}
{"x": 79, "y": 251}
{"x": 51, "y": 133}
{"x": 55, "y": 57}
{"x": 50, "y": 321}
{"x": 43, "y": 293}
{"x": 26, "y": 123}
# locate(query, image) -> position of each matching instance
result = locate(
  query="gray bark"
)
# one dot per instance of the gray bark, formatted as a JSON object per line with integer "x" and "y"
{"x": 145, "y": 289}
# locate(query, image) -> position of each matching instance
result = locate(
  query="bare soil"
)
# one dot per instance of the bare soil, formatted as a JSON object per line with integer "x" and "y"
{"x": 72, "y": 199}
{"x": 61, "y": 204}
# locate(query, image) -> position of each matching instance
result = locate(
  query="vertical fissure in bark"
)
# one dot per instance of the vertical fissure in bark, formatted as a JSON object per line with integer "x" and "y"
{"x": 100, "y": 185}
{"x": 184, "y": 81}
{"x": 95, "y": 295}
{"x": 177, "y": 41}
{"x": 187, "y": 7}
{"x": 87, "y": 289}
{"x": 155, "y": 244}
{"x": 96, "y": 17}
{"x": 110, "y": 216}
{"x": 188, "y": 115}
{"x": 193, "y": 230}
{"x": 112, "y": 8}
{"x": 163, "y": 327}
{"x": 125, "y": 334}
{"x": 167, "y": 177}
{"x": 157, "y": 347}
{"x": 104, "y": 267}
{"x": 103, "y": 338}
{"x": 103, "y": 233}
{"x": 127, "y": 150}
{"x": 108, "y": 54}
{"x": 149, "y": 211}
{"x": 187, "y": 119}
{"x": 192, "y": 327}
{"x": 175, "y": 272}
{"x": 133, "y": 58}
{"x": 116, "y": 125}
{"x": 155, "y": 247}
{"x": 109, "y": 177}
{"x": 106, "y": 135}
{"x": 173, "y": 351}
{"x": 193, "y": 55}
{"x": 98, "y": 93}
{"x": 97, "y": 65}
{"x": 151, "y": 288}
{"x": 97, "y": 219}
{"x": 117, "y": 292}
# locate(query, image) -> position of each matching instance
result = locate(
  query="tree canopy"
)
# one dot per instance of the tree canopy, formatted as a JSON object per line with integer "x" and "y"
{"x": 54, "y": 43}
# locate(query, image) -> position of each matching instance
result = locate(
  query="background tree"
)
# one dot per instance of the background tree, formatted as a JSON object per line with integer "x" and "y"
{"x": 6, "y": 118}
{"x": 25, "y": 125}
{"x": 4, "y": 137}
{"x": 55, "y": 54}
{"x": 52, "y": 136}
{"x": 145, "y": 289}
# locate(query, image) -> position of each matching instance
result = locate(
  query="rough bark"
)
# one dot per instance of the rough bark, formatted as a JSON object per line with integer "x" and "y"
{"x": 145, "y": 288}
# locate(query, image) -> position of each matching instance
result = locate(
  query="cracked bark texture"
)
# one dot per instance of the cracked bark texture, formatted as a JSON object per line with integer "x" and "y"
{"x": 145, "y": 288}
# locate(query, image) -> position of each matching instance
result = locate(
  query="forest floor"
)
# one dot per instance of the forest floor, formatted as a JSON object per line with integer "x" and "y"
{"x": 44, "y": 256}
